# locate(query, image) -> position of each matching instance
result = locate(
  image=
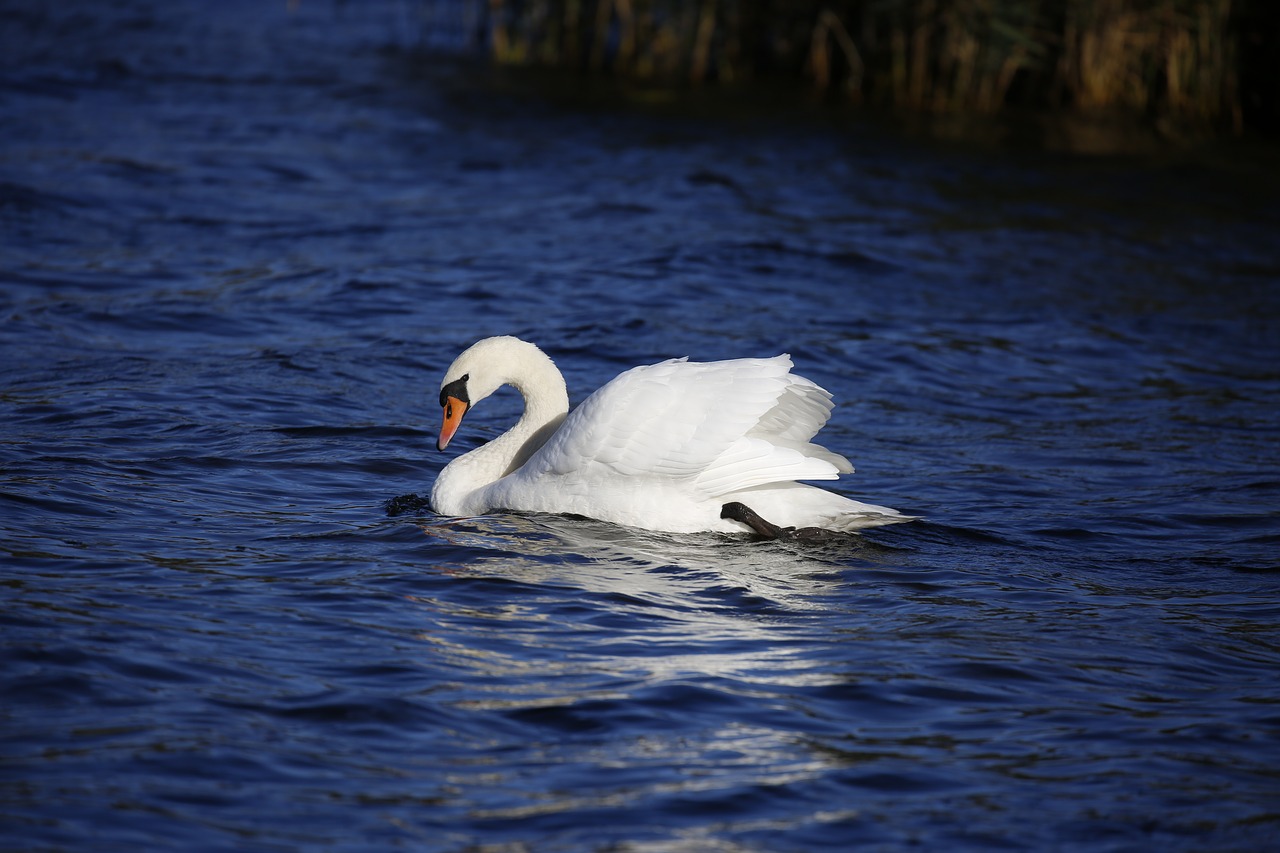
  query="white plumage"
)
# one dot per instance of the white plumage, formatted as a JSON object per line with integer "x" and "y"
{"x": 661, "y": 447}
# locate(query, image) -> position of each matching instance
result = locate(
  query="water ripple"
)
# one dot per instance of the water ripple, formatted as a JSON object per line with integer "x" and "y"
{"x": 231, "y": 620}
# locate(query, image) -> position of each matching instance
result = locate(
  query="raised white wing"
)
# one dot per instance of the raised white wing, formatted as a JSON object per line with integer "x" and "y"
{"x": 722, "y": 426}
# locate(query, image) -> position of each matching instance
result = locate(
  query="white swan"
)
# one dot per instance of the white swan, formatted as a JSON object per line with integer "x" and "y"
{"x": 661, "y": 447}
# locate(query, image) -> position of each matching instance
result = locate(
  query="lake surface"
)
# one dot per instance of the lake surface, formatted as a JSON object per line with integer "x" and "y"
{"x": 240, "y": 246}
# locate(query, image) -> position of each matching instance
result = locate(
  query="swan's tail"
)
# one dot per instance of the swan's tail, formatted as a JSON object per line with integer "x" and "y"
{"x": 799, "y": 505}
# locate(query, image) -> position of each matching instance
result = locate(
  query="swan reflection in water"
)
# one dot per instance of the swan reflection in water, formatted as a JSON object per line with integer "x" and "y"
{"x": 702, "y": 570}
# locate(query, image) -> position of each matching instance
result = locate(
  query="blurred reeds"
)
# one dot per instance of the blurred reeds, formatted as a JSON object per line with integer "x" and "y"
{"x": 1171, "y": 60}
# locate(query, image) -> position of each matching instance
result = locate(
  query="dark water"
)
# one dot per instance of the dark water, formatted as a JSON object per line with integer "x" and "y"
{"x": 240, "y": 246}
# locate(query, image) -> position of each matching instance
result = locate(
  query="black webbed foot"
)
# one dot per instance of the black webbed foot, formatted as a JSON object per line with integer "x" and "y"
{"x": 737, "y": 511}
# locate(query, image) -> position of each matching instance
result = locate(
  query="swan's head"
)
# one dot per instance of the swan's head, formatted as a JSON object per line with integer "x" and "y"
{"x": 483, "y": 368}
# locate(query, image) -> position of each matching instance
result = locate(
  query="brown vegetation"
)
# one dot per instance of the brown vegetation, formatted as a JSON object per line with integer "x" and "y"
{"x": 1172, "y": 60}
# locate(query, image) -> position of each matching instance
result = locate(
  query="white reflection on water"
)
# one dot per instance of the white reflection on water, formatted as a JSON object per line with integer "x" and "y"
{"x": 607, "y": 558}
{"x": 604, "y": 612}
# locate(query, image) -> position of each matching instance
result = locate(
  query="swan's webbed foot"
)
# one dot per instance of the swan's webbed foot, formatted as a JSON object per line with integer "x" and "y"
{"x": 740, "y": 512}
{"x": 737, "y": 511}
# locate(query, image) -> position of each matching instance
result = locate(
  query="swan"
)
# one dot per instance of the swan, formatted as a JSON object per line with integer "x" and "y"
{"x": 678, "y": 446}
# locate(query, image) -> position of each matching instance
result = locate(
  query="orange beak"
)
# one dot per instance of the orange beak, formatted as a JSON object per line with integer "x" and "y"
{"x": 454, "y": 409}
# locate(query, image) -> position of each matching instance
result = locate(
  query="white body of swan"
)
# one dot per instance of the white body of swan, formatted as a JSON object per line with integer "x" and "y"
{"x": 661, "y": 447}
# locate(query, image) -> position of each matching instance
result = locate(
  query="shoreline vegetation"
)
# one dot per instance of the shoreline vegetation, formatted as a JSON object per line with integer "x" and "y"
{"x": 1186, "y": 67}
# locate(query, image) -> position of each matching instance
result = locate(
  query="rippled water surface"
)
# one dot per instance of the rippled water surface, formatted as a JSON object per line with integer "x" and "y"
{"x": 241, "y": 244}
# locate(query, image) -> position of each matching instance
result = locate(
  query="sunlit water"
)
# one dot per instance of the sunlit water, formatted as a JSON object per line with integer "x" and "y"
{"x": 240, "y": 246}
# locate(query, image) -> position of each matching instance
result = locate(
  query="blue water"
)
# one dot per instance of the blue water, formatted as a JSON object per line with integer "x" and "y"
{"x": 241, "y": 244}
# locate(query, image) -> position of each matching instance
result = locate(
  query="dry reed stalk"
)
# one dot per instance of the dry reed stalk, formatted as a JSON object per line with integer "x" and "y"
{"x": 500, "y": 42}
{"x": 702, "y": 41}
{"x": 1105, "y": 56}
{"x": 569, "y": 45}
{"x": 598, "y": 45}
{"x": 919, "y": 84}
{"x": 959, "y": 58}
{"x": 1198, "y": 63}
{"x": 898, "y": 72}
{"x": 626, "y": 34}
{"x": 819, "y": 60}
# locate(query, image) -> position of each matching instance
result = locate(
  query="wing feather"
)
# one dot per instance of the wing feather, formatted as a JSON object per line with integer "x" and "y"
{"x": 722, "y": 426}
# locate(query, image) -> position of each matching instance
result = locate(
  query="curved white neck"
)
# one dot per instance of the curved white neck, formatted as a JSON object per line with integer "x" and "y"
{"x": 546, "y": 403}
